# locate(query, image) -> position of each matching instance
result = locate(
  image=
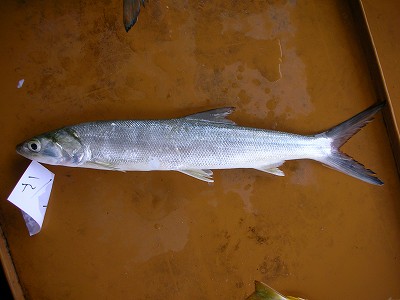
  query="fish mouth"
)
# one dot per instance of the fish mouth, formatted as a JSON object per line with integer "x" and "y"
{"x": 19, "y": 148}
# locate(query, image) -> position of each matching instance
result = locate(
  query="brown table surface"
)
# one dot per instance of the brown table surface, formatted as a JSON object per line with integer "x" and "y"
{"x": 287, "y": 65}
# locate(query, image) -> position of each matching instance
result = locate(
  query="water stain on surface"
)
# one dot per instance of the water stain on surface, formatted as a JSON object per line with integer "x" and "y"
{"x": 286, "y": 65}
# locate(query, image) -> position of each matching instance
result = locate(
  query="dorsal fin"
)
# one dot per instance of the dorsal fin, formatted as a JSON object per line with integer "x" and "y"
{"x": 214, "y": 115}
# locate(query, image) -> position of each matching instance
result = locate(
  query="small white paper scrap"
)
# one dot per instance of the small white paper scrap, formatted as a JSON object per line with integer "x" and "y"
{"x": 31, "y": 195}
{"x": 20, "y": 83}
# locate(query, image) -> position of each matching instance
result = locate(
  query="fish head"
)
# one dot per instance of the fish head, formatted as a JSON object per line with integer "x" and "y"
{"x": 59, "y": 147}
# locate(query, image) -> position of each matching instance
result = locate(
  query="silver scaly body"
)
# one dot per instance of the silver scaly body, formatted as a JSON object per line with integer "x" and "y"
{"x": 180, "y": 144}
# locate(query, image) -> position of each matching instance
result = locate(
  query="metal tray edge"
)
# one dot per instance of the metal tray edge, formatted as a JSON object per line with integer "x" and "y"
{"x": 378, "y": 77}
{"x": 9, "y": 268}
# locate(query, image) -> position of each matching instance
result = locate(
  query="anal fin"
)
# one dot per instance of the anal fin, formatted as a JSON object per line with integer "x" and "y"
{"x": 201, "y": 174}
{"x": 272, "y": 169}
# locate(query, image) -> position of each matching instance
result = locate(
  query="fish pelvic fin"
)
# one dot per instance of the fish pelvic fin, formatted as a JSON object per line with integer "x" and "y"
{"x": 131, "y": 10}
{"x": 339, "y": 135}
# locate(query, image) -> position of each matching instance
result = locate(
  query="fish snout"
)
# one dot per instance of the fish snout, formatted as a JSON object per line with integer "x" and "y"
{"x": 19, "y": 148}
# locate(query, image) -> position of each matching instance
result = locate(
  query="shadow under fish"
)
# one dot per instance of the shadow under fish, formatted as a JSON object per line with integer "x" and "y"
{"x": 131, "y": 12}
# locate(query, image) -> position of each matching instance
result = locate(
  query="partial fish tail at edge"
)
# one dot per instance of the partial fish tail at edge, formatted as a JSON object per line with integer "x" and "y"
{"x": 339, "y": 135}
{"x": 131, "y": 10}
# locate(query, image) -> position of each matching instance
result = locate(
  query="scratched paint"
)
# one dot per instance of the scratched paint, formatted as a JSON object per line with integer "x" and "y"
{"x": 286, "y": 65}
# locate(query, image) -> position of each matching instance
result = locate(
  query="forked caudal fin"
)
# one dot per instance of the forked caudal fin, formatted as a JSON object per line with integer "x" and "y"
{"x": 339, "y": 135}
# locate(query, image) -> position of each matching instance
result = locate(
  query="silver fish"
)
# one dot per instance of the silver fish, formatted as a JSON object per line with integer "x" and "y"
{"x": 194, "y": 145}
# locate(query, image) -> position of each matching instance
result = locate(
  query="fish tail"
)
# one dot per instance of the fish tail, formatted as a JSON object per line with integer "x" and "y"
{"x": 339, "y": 135}
{"x": 131, "y": 10}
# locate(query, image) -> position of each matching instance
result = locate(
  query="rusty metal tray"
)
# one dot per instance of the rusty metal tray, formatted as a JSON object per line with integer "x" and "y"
{"x": 300, "y": 66}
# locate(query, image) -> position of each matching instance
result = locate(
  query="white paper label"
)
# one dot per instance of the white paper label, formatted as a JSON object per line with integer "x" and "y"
{"x": 31, "y": 195}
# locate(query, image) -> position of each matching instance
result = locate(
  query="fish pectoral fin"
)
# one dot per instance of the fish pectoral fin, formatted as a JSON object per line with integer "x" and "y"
{"x": 214, "y": 115}
{"x": 201, "y": 174}
{"x": 105, "y": 166}
{"x": 272, "y": 169}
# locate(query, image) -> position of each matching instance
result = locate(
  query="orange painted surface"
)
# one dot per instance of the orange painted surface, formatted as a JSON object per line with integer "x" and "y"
{"x": 286, "y": 65}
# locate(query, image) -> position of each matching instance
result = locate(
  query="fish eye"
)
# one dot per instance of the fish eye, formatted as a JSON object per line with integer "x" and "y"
{"x": 34, "y": 145}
